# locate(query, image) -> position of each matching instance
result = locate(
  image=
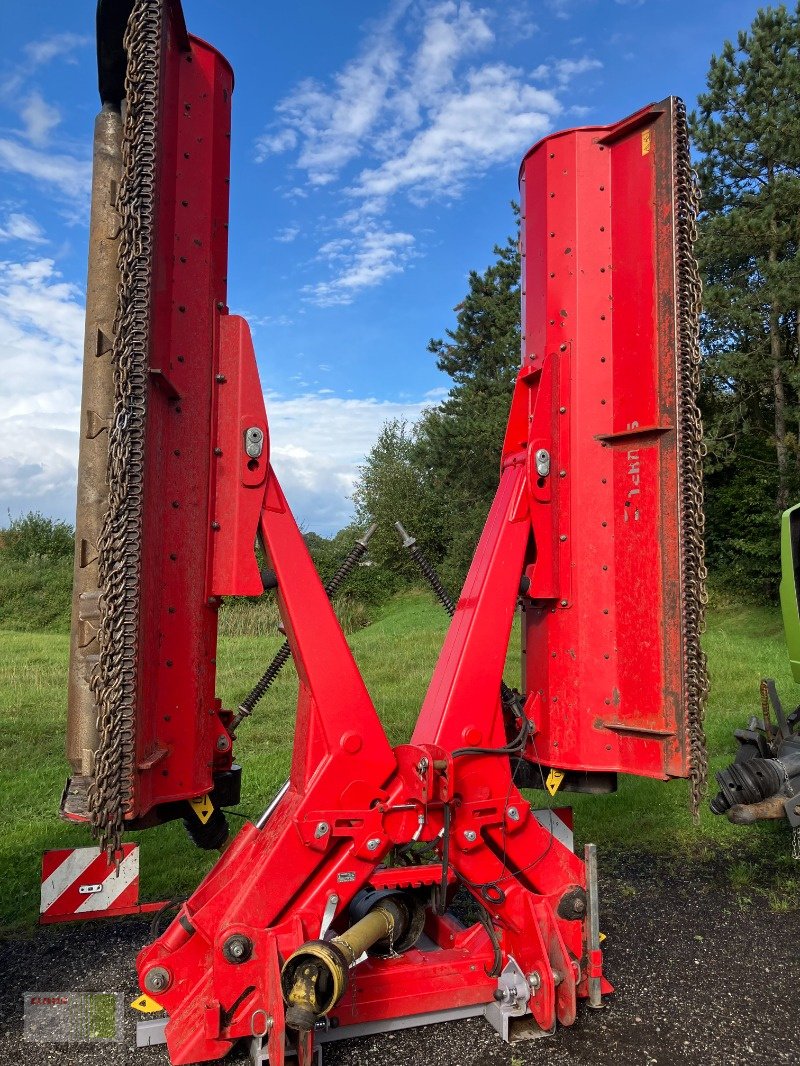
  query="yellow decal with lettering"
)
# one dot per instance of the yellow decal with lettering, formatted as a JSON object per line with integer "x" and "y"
{"x": 202, "y": 807}
{"x": 146, "y": 1005}
{"x": 553, "y": 782}
{"x": 646, "y": 135}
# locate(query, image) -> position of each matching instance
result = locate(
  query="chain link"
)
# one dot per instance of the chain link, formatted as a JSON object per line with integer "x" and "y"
{"x": 115, "y": 678}
{"x": 691, "y": 452}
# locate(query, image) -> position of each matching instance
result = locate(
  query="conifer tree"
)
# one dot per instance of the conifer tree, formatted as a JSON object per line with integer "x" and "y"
{"x": 748, "y": 128}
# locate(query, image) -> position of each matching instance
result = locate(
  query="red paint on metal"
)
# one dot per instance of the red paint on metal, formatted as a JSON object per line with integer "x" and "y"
{"x": 603, "y": 624}
{"x": 352, "y": 797}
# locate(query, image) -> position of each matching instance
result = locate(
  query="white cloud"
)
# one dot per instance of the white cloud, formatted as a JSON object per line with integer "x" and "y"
{"x": 19, "y": 227}
{"x": 41, "y": 336}
{"x": 287, "y": 234}
{"x": 40, "y": 119}
{"x": 318, "y": 476}
{"x": 41, "y": 341}
{"x": 563, "y": 71}
{"x": 69, "y": 175}
{"x": 417, "y": 115}
{"x": 491, "y": 121}
{"x": 329, "y": 122}
{"x": 361, "y": 261}
{"x": 57, "y": 44}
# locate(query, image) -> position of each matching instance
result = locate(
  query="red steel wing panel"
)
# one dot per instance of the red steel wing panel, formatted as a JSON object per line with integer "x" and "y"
{"x": 176, "y": 719}
{"x": 606, "y": 639}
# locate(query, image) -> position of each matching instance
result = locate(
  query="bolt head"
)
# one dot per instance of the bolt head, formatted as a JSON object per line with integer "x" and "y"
{"x": 223, "y": 743}
{"x": 321, "y": 830}
{"x": 470, "y": 835}
{"x": 535, "y": 980}
{"x": 157, "y": 979}
{"x": 373, "y": 843}
{"x": 238, "y": 948}
{"x": 513, "y": 814}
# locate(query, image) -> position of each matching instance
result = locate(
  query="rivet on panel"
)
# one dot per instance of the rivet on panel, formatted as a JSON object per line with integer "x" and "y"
{"x": 563, "y": 537}
{"x": 563, "y": 348}
{"x": 562, "y": 473}
{"x": 215, "y": 525}
{"x": 562, "y": 410}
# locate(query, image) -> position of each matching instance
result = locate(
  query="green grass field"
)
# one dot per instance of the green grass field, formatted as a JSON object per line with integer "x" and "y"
{"x": 396, "y": 654}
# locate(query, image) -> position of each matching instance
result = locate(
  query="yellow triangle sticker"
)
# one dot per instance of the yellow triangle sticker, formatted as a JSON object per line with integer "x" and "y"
{"x": 146, "y": 1005}
{"x": 553, "y": 782}
{"x": 202, "y": 807}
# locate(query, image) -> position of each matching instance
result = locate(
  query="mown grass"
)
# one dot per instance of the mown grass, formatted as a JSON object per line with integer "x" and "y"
{"x": 396, "y": 653}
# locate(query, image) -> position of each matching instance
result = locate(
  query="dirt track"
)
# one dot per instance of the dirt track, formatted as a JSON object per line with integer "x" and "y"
{"x": 700, "y": 980}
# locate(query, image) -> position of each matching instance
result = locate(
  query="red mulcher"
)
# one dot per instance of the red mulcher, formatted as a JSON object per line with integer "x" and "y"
{"x": 314, "y": 925}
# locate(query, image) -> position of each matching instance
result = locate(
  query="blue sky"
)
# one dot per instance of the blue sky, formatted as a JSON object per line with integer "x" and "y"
{"x": 375, "y": 152}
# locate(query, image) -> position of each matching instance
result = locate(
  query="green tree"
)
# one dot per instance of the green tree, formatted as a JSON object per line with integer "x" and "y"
{"x": 440, "y": 476}
{"x": 748, "y": 128}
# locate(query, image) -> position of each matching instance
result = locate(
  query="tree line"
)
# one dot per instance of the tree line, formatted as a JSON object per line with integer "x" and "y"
{"x": 439, "y": 475}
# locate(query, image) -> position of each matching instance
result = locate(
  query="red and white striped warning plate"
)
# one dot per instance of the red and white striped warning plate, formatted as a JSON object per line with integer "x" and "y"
{"x": 81, "y": 883}
{"x": 558, "y": 821}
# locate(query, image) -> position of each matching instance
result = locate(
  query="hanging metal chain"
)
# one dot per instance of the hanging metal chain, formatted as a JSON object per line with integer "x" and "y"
{"x": 114, "y": 680}
{"x": 691, "y": 451}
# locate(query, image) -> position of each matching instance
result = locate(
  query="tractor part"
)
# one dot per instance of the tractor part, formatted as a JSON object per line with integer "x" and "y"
{"x": 315, "y": 977}
{"x": 763, "y": 783}
{"x": 426, "y": 569}
{"x": 169, "y": 484}
{"x": 596, "y": 522}
{"x": 621, "y": 449}
{"x": 614, "y": 609}
{"x": 98, "y": 401}
{"x": 283, "y": 654}
{"x": 790, "y": 585}
{"x": 509, "y": 696}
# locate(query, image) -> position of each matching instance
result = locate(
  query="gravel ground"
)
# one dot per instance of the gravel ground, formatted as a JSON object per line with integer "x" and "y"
{"x": 701, "y": 979}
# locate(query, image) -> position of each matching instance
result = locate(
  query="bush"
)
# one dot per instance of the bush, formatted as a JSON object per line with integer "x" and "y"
{"x": 260, "y": 618}
{"x": 33, "y": 536}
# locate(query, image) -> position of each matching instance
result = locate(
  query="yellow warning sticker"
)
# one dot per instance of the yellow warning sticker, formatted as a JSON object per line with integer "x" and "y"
{"x": 202, "y": 807}
{"x": 601, "y": 937}
{"x": 553, "y": 782}
{"x": 145, "y": 1005}
{"x": 646, "y": 142}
